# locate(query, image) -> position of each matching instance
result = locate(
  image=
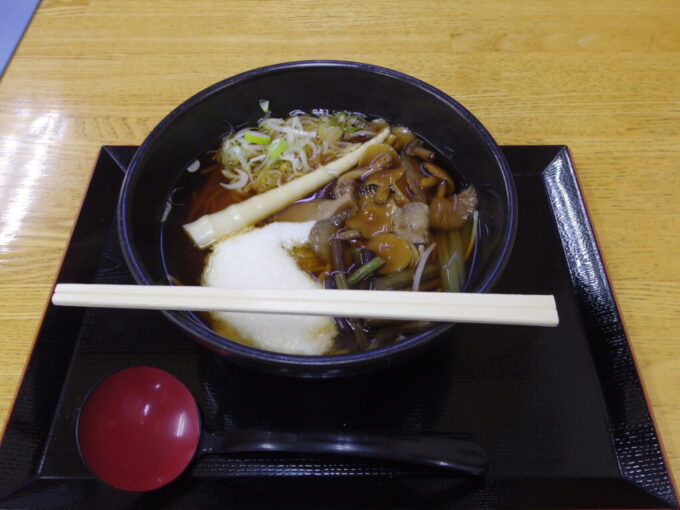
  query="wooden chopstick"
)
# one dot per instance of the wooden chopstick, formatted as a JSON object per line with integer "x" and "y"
{"x": 512, "y": 309}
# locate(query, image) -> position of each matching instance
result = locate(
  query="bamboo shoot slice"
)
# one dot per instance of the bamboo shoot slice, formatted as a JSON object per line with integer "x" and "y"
{"x": 210, "y": 228}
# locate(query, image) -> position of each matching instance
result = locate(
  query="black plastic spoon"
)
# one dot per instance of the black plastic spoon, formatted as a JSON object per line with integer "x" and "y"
{"x": 140, "y": 428}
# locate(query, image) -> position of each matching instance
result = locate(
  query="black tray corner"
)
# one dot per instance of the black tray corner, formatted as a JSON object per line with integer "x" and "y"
{"x": 561, "y": 412}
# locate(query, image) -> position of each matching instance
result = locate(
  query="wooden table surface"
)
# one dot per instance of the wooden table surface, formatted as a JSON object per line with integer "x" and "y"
{"x": 602, "y": 77}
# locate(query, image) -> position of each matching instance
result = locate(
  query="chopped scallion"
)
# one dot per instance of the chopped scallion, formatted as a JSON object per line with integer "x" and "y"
{"x": 451, "y": 259}
{"x": 264, "y": 105}
{"x": 363, "y": 271}
{"x": 256, "y": 137}
{"x": 276, "y": 148}
{"x": 473, "y": 235}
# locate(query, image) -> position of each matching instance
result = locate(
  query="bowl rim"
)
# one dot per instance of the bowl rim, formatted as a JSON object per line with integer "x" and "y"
{"x": 225, "y": 346}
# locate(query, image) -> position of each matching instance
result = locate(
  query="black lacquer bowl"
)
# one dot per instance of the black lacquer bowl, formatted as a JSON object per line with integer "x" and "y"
{"x": 202, "y": 120}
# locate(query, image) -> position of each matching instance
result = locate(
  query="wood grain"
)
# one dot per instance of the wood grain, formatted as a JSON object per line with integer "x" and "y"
{"x": 602, "y": 77}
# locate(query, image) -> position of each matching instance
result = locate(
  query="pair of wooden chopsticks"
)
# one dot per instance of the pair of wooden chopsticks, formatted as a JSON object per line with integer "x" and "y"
{"x": 511, "y": 309}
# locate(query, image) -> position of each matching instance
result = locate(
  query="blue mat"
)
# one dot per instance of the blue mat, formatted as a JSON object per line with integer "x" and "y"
{"x": 14, "y": 18}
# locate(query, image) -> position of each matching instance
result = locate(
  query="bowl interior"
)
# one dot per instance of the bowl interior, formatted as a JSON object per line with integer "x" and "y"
{"x": 199, "y": 123}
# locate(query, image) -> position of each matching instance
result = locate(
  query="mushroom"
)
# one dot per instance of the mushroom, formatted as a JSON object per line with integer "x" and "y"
{"x": 467, "y": 202}
{"x": 413, "y": 177}
{"x": 382, "y": 194}
{"x": 346, "y": 183}
{"x": 349, "y": 235}
{"x": 451, "y": 213}
{"x": 395, "y": 251}
{"x": 319, "y": 209}
{"x": 319, "y": 238}
{"x": 378, "y": 124}
{"x": 372, "y": 218}
{"x": 403, "y": 135}
{"x": 439, "y": 173}
{"x": 400, "y": 191}
{"x": 384, "y": 182}
{"x": 428, "y": 182}
{"x": 415, "y": 148}
{"x": 380, "y": 157}
{"x": 386, "y": 177}
{"x": 412, "y": 222}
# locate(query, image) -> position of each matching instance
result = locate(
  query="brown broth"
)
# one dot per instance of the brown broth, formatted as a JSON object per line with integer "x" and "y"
{"x": 184, "y": 262}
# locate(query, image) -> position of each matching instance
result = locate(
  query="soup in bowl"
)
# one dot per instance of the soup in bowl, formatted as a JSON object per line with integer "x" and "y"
{"x": 317, "y": 174}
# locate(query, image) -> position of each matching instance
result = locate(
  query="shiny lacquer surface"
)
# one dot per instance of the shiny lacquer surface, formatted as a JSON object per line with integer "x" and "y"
{"x": 138, "y": 429}
{"x": 600, "y": 77}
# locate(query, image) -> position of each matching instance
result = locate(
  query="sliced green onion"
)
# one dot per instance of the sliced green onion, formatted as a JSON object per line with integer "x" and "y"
{"x": 456, "y": 264}
{"x": 276, "y": 148}
{"x": 451, "y": 260}
{"x": 403, "y": 279}
{"x": 420, "y": 266}
{"x": 264, "y": 105}
{"x": 256, "y": 137}
{"x": 363, "y": 271}
{"x": 451, "y": 282}
{"x": 473, "y": 235}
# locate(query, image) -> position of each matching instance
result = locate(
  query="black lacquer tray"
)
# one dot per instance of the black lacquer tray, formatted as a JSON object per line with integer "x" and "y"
{"x": 561, "y": 412}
